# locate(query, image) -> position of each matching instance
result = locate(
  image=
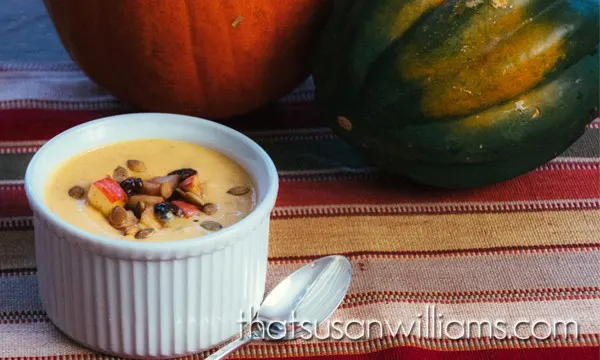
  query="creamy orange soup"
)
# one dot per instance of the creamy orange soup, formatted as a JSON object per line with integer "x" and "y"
{"x": 216, "y": 176}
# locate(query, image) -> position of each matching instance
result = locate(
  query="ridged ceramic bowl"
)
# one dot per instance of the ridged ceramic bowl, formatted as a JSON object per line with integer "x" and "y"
{"x": 151, "y": 300}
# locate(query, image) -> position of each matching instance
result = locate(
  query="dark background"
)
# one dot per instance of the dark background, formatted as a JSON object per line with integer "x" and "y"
{"x": 27, "y": 34}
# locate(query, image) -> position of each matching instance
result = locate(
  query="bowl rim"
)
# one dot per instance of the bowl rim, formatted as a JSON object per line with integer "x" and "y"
{"x": 160, "y": 250}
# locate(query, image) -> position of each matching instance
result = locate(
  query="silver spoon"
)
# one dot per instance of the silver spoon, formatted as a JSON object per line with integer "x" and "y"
{"x": 299, "y": 303}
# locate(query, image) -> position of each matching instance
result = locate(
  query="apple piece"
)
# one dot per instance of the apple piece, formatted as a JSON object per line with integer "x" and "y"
{"x": 139, "y": 209}
{"x": 189, "y": 210}
{"x": 149, "y": 219}
{"x": 171, "y": 179}
{"x": 105, "y": 194}
{"x": 192, "y": 184}
{"x": 147, "y": 199}
{"x": 166, "y": 190}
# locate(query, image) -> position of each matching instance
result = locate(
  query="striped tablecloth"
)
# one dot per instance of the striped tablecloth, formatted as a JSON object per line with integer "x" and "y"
{"x": 526, "y": 250}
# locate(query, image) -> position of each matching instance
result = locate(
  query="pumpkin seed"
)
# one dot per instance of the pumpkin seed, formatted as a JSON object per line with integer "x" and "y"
{"x": 144, "y": 233}
{"x": 191, "y": 197}
{"x": 237, "y": 21}
{"x": 149, "y": 220}
{"x": 131, "y": 219}
{"x": 76, "y": 192}
{"x": 171, "y": 179}
{"x": 209, "y": 208}
{"x": 344, "y": 123}
{"x": 149, "y": 200}
{"x": 136, "y": 165}
{"x": 239, "y": 190}
{"x": 166, "y": 190}
{"x": 131, "y": 229}
{"x": 139, "y": 209}
{"x": 211, "y": 225}
{"x": 117, "y": 217}
{"x": 119, "y": 174}
{"x": 194, "y": 199}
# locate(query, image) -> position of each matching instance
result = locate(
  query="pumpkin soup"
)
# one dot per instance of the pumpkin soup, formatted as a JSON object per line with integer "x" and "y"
{"x": 151, "y": 190}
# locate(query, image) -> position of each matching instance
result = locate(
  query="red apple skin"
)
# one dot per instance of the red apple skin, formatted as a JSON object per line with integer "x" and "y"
{"x": 191, "y": 184}
{"x": 111, "y": 189}
{"x": 105, "y": 194}
{"x": 189, "y": 210}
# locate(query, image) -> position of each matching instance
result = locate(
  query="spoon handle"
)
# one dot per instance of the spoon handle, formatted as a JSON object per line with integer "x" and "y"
{"x": 231, "y": 347}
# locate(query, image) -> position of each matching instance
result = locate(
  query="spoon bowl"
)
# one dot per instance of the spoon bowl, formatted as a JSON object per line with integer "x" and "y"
{"x": 299, "y": 303}
{"x": 308, "y": 296}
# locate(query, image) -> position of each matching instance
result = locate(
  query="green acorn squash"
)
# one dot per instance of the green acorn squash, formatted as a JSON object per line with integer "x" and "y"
{"x": 460, "y": 93}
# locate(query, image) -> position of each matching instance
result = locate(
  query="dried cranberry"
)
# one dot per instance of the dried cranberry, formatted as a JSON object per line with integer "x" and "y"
{"x": 184, "y": 173}
{"x": 176, "y": 210}
{"x": 132, "y": 186}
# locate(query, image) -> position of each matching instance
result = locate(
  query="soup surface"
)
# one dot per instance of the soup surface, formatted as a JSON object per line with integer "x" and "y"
{"x": 151, "y": 190}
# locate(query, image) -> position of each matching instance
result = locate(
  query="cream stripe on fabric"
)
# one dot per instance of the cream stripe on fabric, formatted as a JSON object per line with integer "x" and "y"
{"x": 42, "y": 339}
{"x": 551, "y": 275}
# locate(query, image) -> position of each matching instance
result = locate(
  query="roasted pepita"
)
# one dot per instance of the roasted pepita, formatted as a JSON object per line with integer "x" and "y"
{"x": 211, "y": 225}
{"x": 76, "y": 192}
{"x": 166, "y": 190}
{"x": 209, "y": 208}
{"x": 144, "y": 233}
{"x": 119, "y": 174}
{"x": 239, "y": 190}
{"x": 131, "y": 229}
{"x": 139, "y": 209}
{"x": 191, "y": 197}
{"x": 136, "y": 165}
{"x": 117, "y": 217}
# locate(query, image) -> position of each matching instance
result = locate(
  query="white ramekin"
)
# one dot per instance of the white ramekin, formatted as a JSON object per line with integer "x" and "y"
{"x": 151, "y": 300}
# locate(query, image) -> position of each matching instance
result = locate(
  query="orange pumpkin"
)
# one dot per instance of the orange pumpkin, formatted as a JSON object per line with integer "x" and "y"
{"x": 210, "y": 58}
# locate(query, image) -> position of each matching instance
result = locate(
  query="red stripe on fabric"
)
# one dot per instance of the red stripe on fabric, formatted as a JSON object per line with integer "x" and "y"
{"x": 20, "y": 124}
{"x": 444, "y": 253}
{"x": 473, "y": 293}
{"x": 411, "y": 352}
{"x": 504, "y": 299}
{"x": 320, "y": 211}
{"x": 534, "y": 186}
{"x": 357, "y": 255}
{"x": 453, "y": 351}
{"x": 540, "y": 185}
{"x": 42, "y": 124}
{"x": 13, "y": 202}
